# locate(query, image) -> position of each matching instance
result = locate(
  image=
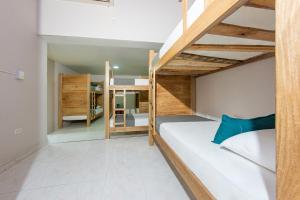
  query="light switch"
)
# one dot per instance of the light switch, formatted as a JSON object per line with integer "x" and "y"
{"x": 20, "y": 75}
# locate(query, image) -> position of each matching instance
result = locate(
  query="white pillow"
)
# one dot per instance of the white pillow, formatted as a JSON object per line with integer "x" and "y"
{"x": 257, "y": 146}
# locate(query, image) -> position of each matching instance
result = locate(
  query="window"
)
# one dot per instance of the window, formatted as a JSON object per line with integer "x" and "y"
{"x": 101, "y": 2}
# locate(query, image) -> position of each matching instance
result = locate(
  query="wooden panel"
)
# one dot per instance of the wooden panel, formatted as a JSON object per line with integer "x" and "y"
{"x": 234, "y": 48}
{"x": 194, "y": 185}
{"x": 71, "y": 111}
{"x": 242, "y": 32}
{"x": 288, "y": 99}
{"x": 208, "y": 2}
{"x": 212, "y": 16}
{"x": 266, "y": 4}
{"x": 173, "y": 95}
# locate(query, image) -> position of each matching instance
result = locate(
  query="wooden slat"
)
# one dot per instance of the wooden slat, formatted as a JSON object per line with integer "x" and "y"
{"x": 214, "y": 14}
{"x": 288, "y": 99}
{"x": 266, "y": 4}
{"x": 188, "y": 68}
{"x": 242, "y": 32}
{"x": 200, "y": 58}
{"x": 197, "y": 64}
{"x": 129, "y": 129}
{"x": 250, "y": 60}
{"x": 233, "y": 48}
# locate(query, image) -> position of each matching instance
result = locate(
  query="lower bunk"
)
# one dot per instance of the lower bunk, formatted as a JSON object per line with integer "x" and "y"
{"x": 136, "y": 122}
{"x": 208, "y": 171}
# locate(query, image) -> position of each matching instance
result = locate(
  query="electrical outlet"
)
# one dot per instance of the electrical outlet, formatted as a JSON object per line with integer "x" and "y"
{"x": 18, "y": 131}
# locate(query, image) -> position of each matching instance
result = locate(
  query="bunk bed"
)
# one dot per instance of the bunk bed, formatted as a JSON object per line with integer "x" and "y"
{"x": 80, "y": 99}
{"x": 119, "y": 119}
{"x": 211, "y": 37}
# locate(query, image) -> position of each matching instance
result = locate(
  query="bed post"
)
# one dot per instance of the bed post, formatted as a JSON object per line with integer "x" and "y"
{"x": 151, "y": 97}
{"x": 88, "y": 113}
{"x": 288, "y": 99}
{"x": 184, "y": 14}
{"x": 106, "y": 100}
{"x": 60, "y": 110}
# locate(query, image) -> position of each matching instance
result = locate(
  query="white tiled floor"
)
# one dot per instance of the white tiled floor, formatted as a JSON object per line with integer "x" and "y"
{"x": 79, "y": 132}
{"x": 118, "y": 169}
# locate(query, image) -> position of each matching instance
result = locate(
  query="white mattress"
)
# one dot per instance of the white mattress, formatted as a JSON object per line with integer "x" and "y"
{"x": 141, "y": 119}
{"x": 193, "y": 13}
{"x": 137, "y": 81}
{"x": 75, "y": 117}
{"x": 225, "y": 174}
{"x": 244, "y": 16}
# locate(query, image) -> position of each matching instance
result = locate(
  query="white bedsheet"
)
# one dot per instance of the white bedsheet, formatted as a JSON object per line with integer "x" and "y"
{"x": 193, "y": 13}
{"x": 75, "y": 117}
{"x": 225, "y": 174}
{"x": 141, "y": 119}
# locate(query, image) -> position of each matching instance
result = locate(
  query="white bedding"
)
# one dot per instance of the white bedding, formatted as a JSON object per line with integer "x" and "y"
{"x": 225, "y": 174}
{"x": 75, "y": 117}
{"x": 141, "y": 119}
{"x": 244, "y": 16}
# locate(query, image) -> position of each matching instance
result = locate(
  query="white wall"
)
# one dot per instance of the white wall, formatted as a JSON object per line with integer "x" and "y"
{"x": 133, "y": 20}
{"x": 19, "y": 102}
{"x": 245, "y": 91}
{"x": 50, "y": 95}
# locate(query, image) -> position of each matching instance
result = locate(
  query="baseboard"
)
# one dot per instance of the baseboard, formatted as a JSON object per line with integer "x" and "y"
{"x": 208, "y": 116}
{"x": 10, "y": 164}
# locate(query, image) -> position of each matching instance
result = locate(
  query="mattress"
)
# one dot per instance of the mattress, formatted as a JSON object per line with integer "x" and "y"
{"x": 178, "y": 118}
{"x": 137, "y": 119}
{"x": 226, "y": 175}
{"x": 193, "y": 13}
{"x": 129, "y": 81}
{"x": 75, "y": 117}
{"x": 141, "y": 119}
{"x": 249, "y": 16}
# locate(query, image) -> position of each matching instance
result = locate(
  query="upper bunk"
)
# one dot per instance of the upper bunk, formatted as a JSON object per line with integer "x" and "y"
{"x": 218, "y": 36}
{"x": 116, "y": 83}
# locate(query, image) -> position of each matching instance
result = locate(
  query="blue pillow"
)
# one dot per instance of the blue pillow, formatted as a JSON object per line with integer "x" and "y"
{"x": 234, "y": 126}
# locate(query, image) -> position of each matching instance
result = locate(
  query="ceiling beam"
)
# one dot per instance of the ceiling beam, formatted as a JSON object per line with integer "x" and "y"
{"x": 243, "y": 32}
{"x": 265, "y": 4}
{"x": 233, "y": 48}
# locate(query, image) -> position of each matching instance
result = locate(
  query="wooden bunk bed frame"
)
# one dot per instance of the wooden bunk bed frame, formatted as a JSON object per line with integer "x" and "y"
{"x": 287, "y": 80}
{"x": 111, "y": 91}
{"x": 77, "y": 99}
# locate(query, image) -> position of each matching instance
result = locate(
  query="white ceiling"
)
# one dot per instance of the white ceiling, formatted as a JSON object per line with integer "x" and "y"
{"x": 89, "y": 56}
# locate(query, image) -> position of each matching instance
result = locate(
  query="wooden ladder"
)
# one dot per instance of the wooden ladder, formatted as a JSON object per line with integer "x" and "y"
{"x": 118, "y": 93}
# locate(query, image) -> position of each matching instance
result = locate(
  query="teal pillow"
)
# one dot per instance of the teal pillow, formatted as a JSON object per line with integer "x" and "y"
{"x": 234, "y": 126}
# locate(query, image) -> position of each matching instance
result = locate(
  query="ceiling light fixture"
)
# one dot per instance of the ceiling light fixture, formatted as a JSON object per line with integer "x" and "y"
{"x": 116, "y": 67}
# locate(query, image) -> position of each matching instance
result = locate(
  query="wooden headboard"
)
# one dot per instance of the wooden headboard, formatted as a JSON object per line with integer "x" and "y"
{"x": 174, "y": 95}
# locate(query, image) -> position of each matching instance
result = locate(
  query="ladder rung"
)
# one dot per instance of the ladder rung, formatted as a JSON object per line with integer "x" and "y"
{"x": 119, "y": 109}
{"x": 119, "y": 123}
